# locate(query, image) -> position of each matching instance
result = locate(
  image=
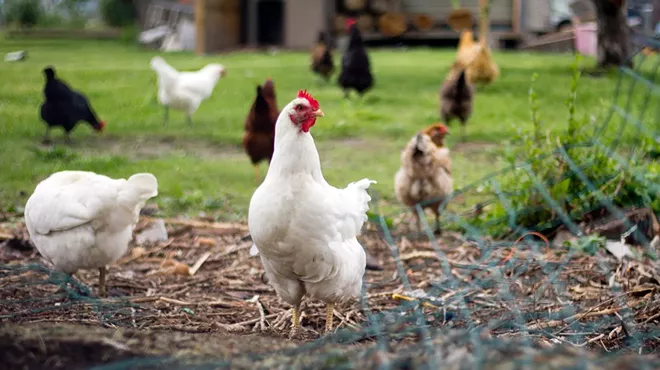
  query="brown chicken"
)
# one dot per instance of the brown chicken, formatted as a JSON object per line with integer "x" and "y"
{"x": 322, "y": 62}
{"x": 425, "y": 174}
{"x": 456, "y": 97}
{"x": 259, "y": 136}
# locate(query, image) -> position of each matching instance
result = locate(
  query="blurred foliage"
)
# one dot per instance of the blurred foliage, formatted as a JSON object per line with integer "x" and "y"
{"x": 30, "y": 13}
{"x": 578, "y": 172}
{"x": 117, "y": 13}
{"x": 24, "y": 13}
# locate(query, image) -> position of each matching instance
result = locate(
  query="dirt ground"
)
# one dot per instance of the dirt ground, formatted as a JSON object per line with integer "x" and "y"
{"x": 200, "y": 293}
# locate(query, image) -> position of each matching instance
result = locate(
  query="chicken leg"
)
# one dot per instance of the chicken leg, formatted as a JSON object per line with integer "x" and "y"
{"x": 46, "y": 139}
{"x": 102, "y": 272}
{"x": 437, "y": 230}
{"x": 418, "y": 221}
{"x": 190, "y": 121}
{"x": 295, "y": 321}
{"x": 167, "y": 115}
{"x": 328, "y": 318}
{"x": 257, "y": 173}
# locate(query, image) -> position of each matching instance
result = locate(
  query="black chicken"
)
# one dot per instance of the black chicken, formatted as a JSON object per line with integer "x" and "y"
{"x": 456, "y": 96}
{"x": 355, "y": 67}
{"x": 65, "y": 107}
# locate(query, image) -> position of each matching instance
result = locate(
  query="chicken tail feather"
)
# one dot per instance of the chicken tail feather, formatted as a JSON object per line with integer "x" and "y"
{"x": 138, "y": 188}
{"x": 166, "y": 72}
{"x": 356, "y": 193}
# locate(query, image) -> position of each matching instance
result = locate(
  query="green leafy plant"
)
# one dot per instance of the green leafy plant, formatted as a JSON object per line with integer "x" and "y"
{"x": 566, "y": 176}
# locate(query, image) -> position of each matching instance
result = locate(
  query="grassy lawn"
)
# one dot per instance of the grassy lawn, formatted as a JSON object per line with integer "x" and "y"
{"x": 203, "y": 168}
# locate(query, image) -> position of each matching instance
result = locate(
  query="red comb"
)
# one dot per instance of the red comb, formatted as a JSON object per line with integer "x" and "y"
{"x": 350, "y": 22}
{"x": 310, "y": 99}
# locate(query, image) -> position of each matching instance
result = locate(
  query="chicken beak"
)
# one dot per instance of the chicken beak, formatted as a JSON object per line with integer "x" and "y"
{"x": 318, "y": 113}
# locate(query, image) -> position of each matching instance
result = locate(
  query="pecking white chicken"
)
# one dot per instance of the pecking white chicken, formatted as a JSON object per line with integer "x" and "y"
{"x": 303, "y": 228}
{"x": 80, "y": 220}
{"x": 185, "y": 91}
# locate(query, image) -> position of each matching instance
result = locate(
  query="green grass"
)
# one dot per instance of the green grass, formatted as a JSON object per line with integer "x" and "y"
{"x": 203, "y": 168}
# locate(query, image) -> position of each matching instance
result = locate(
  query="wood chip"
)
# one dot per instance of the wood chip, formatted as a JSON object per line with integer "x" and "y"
{"x": 199, "y": 263}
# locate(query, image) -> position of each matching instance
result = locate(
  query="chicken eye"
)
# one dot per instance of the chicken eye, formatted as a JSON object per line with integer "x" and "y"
{"x": 299, "y": 107}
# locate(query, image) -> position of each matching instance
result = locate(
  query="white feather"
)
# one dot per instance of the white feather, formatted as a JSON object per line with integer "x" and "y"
{"x": 305, "y": 229}
{"x": 81, "y": 220}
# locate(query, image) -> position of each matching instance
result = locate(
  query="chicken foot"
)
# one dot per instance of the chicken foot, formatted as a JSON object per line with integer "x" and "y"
{"x": 328, "y": 318}
{"x": 102, "y": 273}
{"x": 437, "y": 230}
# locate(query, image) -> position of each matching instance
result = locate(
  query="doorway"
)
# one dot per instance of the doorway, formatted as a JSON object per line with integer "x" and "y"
{"x": 270, "y": 22}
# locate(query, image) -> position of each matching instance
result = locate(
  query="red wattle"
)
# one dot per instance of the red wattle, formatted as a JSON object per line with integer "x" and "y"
{"x": 306, "y": 125}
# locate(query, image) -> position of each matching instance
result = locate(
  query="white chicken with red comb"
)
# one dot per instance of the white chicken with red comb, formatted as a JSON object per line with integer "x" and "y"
{"x": 304, "y": 228}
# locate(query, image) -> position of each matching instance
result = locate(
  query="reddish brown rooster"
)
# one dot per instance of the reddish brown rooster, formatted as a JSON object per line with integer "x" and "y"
{"x": 259, "y": 136}
{"x": 322, "y": 63}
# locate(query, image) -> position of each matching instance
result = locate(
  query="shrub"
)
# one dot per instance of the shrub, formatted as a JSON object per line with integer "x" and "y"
{"x": 24, "y": 12}
{"x": 581, "y": 173}
{"x": 117, "y": 13}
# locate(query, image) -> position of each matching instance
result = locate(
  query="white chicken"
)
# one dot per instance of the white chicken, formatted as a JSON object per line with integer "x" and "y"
{"x": 425, "y": 173}
{"x": 80, "y": 220}
{"x": 185, "y": 91}
{"x": 303, "y": 228}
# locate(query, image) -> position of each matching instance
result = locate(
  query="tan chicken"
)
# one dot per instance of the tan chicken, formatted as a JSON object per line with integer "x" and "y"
{"x": 466, "y": 48}
{"x": 425, "y": 173}
{"x": 473, "y": 57}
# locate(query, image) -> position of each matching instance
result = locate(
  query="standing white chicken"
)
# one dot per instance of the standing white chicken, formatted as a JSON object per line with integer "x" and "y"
{"x": 81, "y": 220}
{"x": 305, "y": 229}
{"x": 185, "y": 91}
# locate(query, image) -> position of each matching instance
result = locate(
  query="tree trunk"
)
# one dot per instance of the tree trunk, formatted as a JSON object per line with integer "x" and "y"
{"x": 613, "y": 34}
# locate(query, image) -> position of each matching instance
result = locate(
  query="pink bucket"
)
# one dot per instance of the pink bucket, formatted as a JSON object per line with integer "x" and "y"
{"x": 586, "y": 39}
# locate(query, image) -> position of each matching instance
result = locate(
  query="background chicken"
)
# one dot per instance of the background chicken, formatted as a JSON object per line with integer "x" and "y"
{"x": 424, "y": 175}
{"x": 305, "y": 229}
{"x": 260, "y": 126}
{"x": 65, "y": 107}
{"x": 456, "y": 97}
{"x": 355, "y": 67}
{"x": 79, "y": 220}
{"x": 322, "y": 62}
{"x": 476, "y": 58}
{"x": 185, "y": 91}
